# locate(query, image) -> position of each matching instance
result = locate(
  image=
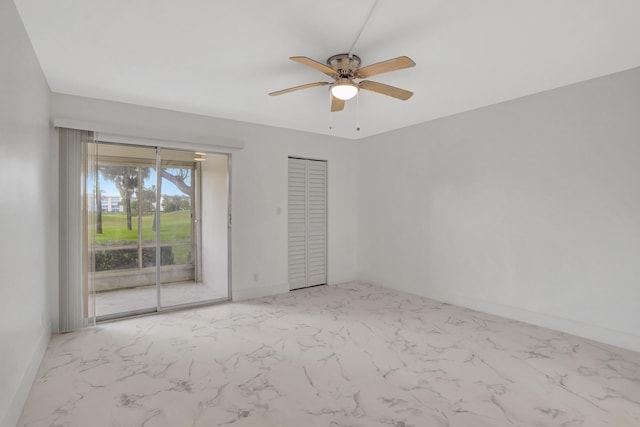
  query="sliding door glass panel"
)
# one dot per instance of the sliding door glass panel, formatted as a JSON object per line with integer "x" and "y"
{"x": 193, "y": 210}
{"x": 90, "y": 155}
{"x": 124, "y": 277}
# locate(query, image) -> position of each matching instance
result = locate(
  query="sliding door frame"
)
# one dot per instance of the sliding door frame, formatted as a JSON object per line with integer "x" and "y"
{"x": 195, "y": 235}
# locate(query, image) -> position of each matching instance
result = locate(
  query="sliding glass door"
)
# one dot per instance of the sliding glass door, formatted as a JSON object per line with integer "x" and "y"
{"x": 124, "y": 237}
{"x": 193, "y": 224}
{"x": 159, "y": 240}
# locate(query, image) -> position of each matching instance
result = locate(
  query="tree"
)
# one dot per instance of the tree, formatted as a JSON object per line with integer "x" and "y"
{"x": 178, "y": 178}
{"x": 98, "y": 204}
{"x": 146, "y": 201}
{"x": 149, "y": 204}
{"x": 173, "y": 203}
{"x": 176, "y": 203}
{"x": 126, "y": 180}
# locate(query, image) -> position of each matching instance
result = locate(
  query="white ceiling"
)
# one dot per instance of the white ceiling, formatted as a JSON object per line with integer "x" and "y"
{"x": 221, "y": 58}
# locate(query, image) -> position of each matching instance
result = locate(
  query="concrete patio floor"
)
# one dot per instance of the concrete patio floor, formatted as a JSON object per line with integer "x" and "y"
{"x": 144, "y": 297}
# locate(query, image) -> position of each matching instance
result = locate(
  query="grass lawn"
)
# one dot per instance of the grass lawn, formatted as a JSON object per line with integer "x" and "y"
{"x": 174, "y": 227}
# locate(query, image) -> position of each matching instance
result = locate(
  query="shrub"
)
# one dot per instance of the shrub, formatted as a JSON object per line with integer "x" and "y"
{"x": 121, "y": 259}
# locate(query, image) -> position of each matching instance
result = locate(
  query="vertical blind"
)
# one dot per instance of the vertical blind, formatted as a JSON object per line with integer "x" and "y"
{"x": 77, "y": 167}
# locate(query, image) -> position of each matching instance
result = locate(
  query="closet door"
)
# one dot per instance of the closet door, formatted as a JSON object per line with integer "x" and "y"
{"x": 316, "y": 222}
{"x": 307, "y": 209}
{"x": 297, "y": 207}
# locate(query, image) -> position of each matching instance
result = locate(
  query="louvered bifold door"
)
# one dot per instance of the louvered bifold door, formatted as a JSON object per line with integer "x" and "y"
{"x": 307, "y": 223}
{"x": 316, "y": 222}
{"x": 297, "y": 223}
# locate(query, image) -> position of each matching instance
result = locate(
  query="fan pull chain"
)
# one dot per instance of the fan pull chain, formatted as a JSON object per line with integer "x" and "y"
{"x": 330, "y": 113}
{"x": 358, "y": 112}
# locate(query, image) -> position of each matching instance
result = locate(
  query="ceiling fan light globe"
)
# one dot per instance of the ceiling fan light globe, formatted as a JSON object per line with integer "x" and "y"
{"x": 344, "y": 91}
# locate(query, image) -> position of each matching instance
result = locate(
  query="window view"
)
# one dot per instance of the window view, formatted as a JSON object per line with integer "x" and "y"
{"x": 126, "y": 223}
{"x": 129, "y": 213}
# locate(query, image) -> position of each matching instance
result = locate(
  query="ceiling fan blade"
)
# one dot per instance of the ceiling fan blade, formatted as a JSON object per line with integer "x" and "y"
{"x": 336, "y": 104}
{"x": 315, "y": 64}
{"x": 385, "y": 66}
{"x": 293, "y": 89}
{"x": 384, "y": 89}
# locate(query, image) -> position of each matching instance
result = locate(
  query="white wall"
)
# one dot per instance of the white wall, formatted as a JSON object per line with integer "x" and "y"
{"x": 528, "y": 209}
{"x": 214, "y": 223}
{"x": 258, "y": 183}
{"x": 24, "y": 216}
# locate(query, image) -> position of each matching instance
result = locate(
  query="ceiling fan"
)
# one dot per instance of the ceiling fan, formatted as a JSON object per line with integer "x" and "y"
{"x": 345, "y": 69}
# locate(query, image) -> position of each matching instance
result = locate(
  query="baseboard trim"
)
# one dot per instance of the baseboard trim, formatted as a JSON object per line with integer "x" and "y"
{"x": 20, "y": 397}
{"x": 574, "y": 327}
{"x": 259, "y": 292}
{"x": 252, "y": 292}
{"x": 337, "y": 280}
{"x": 597, "y": 333}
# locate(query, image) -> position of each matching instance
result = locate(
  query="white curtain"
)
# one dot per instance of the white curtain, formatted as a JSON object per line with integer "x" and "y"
{"x": 78, "y": 172}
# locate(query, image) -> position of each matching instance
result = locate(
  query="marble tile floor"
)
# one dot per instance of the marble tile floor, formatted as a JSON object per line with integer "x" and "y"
{"x": 126, "y": 300}
{"x": 335, "y": 356}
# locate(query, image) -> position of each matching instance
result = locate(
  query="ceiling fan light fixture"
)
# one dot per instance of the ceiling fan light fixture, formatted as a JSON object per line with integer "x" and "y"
{"x": 344, "y": 91}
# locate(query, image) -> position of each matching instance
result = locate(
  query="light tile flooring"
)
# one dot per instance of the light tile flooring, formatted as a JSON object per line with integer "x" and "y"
{"x": 344, "y": 355}
{"x": 143, "y": 297}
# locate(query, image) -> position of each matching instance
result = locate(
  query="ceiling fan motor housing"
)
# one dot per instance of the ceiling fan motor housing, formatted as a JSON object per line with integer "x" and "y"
{"x": 344, "y": 65}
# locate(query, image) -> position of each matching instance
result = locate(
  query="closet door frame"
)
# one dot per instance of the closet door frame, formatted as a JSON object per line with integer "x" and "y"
{"x": 326, "y": 221}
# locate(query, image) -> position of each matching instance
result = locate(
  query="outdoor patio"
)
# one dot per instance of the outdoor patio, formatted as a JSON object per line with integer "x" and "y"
{"x": 144, "y": 297}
